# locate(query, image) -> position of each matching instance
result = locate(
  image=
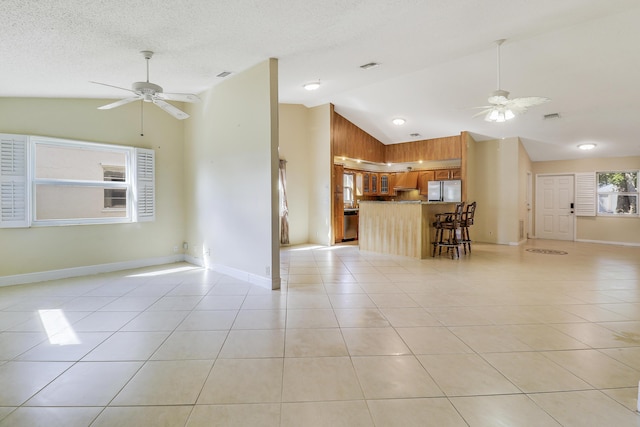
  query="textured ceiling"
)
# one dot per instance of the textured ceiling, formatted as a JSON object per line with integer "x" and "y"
{"x": 437, "y": 58}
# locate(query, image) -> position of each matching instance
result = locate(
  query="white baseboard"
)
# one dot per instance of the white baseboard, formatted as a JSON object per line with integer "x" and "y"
{"x": 264, "y": 282}
{"x": 603, "y": 242}
{"x": 88, "y": 270}
{"x": 195, "y": 261}
{"x": 521, "y": 242}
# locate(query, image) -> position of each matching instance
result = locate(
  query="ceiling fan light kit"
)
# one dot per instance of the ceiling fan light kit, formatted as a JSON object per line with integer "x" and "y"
{"x": 502, "y": 108}
{"x": 151, "y": 92}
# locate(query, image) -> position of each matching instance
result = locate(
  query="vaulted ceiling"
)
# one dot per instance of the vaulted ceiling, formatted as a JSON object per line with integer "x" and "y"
{"x": 437, "y": 60}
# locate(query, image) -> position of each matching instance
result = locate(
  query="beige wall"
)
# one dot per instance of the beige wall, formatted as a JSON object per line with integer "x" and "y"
{"x": 294, "y": 147}
{"x": 305, "y": 144}
{"x": 320, "y": 169}
{"x": 525, "y": 167}
{"x": 492, "y": 168}
{"x": 231, "y": 168}
{"x": 598, "y": 228}
{"x": 37, "y": 249}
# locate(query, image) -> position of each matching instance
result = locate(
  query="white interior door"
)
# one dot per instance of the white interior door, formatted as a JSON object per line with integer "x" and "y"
{"x": 554, "y": 212}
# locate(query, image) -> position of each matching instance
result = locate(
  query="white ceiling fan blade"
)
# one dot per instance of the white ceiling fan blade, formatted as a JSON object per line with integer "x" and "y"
{"x": 117, "y": 87}
{"x": 529, "y": 101}
{"x": 483, "y": 112}
{"x": 180, "y": 97}
{"x": 119, "y": 103}
{"x": 175, "y": 112}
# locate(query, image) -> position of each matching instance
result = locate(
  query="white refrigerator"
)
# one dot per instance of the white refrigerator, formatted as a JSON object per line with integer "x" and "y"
{"x": 445, "y": 191}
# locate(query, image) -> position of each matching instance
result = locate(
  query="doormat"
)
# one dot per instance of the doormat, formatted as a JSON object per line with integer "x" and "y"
{"x": 547, "y": 251}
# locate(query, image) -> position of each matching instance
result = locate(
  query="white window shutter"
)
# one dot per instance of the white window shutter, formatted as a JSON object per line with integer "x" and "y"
{"x": 145, "y": 192}
{"x": 14, "y": 191}
{"x": 586, "y": 194}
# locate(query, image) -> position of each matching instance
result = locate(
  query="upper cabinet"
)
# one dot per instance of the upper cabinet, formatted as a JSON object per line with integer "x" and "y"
{"x": 374, "y": 184}
{"x": 385, "y": 184}
{"x": 366, "y": 183}
{"x": 442, "y": 174}
{"x": 448, "y": 174}
{"x": 423, "y": 181}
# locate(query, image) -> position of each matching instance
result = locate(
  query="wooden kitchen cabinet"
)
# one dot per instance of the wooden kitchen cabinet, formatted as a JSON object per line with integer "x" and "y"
{"x": 441, "y": 174}
{"x": 423, "y": 181}
{"x": 366, "y": 183}
{"x": 448, "y": 174}
{"x": 374, "y": 184}
{"x": 385, "y": 184}
{"x": 359, "y": 184}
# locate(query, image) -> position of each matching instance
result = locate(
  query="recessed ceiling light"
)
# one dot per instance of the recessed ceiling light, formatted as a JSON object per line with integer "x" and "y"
{"x": 398, "y": 121}
{"x": 370, "y": 65}
{"x": 311, "y": 85}
{"x": 587, "y": 146}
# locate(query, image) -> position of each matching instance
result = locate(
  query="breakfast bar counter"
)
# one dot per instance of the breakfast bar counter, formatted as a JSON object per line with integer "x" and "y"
{"x": 399, "y": 228}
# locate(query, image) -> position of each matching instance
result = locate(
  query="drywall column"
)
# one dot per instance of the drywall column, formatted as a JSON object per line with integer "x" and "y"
{"x": 231, "y": 168}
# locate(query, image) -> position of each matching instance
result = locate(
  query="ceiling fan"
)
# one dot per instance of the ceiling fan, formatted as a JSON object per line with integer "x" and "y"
{"x": 502, "y": 108}
{"x": 150, "y": 92}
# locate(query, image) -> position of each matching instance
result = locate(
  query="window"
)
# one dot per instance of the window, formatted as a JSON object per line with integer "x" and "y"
{"x": 115, "y": 198}
{"x": 73, "y": 182}
{"x": 618, "y": 193}
{"x": 347, "y": 190}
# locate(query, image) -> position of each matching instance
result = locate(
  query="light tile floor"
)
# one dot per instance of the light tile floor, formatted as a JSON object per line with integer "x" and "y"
{"x": 500, "y": 337}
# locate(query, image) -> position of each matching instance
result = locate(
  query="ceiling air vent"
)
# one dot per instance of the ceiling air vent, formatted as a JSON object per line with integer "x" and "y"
{"x": 551, "y": 116}
{"x": 224, "y": 74}
{"x": 370, "y": 65}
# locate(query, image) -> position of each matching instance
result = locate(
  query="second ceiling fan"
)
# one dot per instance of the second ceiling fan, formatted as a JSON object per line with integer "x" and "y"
{"x": 502, "y": 108}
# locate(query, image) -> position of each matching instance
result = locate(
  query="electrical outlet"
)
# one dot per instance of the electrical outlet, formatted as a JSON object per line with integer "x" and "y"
{"x": 175, "y": 249}
{"x": 208, "y": 252}
{"x": 268, "y": 271}
{"x": 185, "y": 246}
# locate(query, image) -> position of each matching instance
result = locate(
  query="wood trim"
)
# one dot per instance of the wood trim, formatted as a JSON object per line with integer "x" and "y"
{"x": 427, "y": 149}
{"x": 332, "y": 143}
{"x": 352, "y": 142}
{"x": 464, "y": 144}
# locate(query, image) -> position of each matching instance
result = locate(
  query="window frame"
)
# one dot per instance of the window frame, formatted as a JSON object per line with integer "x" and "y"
{"x": 34, "y": 181}
{"x": 636, "y": 194}
{"x": 139, "y": 182}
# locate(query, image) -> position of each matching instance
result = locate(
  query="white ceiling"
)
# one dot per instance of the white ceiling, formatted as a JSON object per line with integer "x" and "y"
{"x": 438, "y": 59}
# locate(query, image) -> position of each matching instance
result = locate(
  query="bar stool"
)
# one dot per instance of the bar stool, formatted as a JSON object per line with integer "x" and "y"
{"x": 465, "y": 222}
{"x": 448, "y": 231}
